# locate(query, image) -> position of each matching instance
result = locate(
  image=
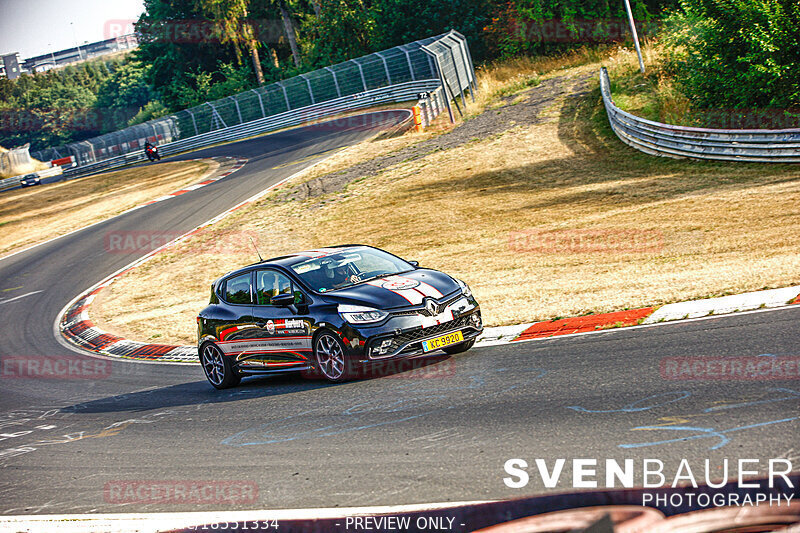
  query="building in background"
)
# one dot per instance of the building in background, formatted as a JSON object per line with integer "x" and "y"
{"x": 11, "y": 67}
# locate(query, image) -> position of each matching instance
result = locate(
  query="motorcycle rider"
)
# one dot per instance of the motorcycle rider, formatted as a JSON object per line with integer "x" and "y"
{"x": 151, "y": 151}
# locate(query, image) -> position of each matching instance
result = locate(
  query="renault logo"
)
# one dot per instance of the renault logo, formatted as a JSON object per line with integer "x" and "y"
{"x": 431, "y": 307}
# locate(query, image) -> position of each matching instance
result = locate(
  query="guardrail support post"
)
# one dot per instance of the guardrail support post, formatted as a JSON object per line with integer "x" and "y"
{"x": 285, "y": 96}
{"x": 335, "y": 81}
{"x": 238, "y": 110}
{"x": 410, "y": 64}
{"x": 385, "y": 67}
{"x": 261, "y": 103}
{"x": 634, "y": 34}
{"x": 458, "y": 78}
{"x": 194, "y": 123}
{"x": 310, "y": 92}
{"x": 361, "y": 70}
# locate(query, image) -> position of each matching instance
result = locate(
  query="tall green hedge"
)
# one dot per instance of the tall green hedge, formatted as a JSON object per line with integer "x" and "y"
{"x": 737, "y": 53}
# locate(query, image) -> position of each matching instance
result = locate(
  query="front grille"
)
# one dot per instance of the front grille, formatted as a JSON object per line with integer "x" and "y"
{"x": 420, "y": 309}
{"x": 431, "y": 331}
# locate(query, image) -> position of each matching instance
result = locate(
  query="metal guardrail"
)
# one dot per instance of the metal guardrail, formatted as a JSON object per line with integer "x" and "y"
{"x": 395, "y": 93}
{"x": 666, "y": 140}
{"x": 9, "y": 183}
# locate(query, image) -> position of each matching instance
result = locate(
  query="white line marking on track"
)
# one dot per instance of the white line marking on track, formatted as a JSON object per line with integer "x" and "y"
{"x": 18, "y": 297}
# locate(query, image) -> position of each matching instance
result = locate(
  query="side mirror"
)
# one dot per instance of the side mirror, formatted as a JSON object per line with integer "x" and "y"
{"x": 282, "y": 300}
{"x": 415, "y": 264}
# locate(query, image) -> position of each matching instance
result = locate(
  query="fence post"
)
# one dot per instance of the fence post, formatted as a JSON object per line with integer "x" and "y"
{"x": 215, "y": 115}
{"x": 433, "y": 56}
{"x": 310, "y": 92}
{"x": 194, "y": 122}
{"x": 335, "y": 81}
{"x": 361, "y": 70}
{"x": 468, "y": 55}
{"x": 285, "y": 96}
{"x": 261, "y": 103}
{"x": 385, "y": 67}
{"x": 238, "y": 110}
{"x": 410, "y": 64}
{"x": 458, "y": 78}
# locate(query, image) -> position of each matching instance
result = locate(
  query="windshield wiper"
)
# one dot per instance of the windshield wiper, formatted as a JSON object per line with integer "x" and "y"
{"x": 384, "y": 275}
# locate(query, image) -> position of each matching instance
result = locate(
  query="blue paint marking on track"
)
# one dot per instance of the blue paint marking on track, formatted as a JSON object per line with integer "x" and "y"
{"x": 636, "y": 406}
{"x": 701, "y": 432}
{"x": 792, "y": 395}
{"x": 705, "y": 433}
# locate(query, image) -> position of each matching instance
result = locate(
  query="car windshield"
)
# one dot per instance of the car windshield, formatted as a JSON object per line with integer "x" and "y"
{"x": 348, "y": 267}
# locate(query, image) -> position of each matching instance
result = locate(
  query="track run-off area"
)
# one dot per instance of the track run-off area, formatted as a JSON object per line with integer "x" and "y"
{"x": 441, "y": 433}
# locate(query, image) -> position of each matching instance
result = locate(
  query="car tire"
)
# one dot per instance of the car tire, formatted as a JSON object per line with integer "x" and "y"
{"x": 329, "y": 357}
{"x": 218, "y": 368}
{"x": 461, "y": 347}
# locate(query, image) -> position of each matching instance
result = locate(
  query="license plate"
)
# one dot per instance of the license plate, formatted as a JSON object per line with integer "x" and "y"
{"x": 441, "y": 342}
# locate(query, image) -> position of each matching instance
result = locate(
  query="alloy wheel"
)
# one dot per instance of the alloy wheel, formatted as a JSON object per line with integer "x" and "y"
{"x": 330, "y": 357}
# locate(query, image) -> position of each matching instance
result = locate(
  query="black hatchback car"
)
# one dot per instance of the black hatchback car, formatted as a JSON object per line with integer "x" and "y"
{"x": 331, "y": 312}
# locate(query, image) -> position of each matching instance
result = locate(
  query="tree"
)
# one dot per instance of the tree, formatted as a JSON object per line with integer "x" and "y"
{"x": 235, "y": 28}
{"x": 175, "y": 43}
{"x": 290, "y": 33}
{"x": 342, "y": 30}
{"x": 738, "y": 53}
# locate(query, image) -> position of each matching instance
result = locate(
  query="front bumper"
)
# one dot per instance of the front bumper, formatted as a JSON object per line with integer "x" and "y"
{"x": 407, "y": 342}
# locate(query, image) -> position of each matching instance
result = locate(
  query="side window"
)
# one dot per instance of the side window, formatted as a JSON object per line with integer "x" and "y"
{"x": 237, "y": 289}
{"x": 271, "y": 283}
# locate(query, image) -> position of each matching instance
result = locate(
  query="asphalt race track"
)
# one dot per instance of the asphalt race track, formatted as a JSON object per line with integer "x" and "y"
{"x": 441, "y": 433}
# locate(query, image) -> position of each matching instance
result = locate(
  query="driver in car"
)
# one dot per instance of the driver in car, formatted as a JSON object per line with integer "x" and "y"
{"x": 340, "y": 276}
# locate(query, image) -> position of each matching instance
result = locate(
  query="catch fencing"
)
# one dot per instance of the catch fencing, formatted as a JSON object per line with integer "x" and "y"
{"x": 455, "y": 69}
{"x": 666, "y": 140}
{"x": 408, "y": 72}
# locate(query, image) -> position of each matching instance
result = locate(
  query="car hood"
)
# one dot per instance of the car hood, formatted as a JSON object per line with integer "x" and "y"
{"x": 401, "y": 290}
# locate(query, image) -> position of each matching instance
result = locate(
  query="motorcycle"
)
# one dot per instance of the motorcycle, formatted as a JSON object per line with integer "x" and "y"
{"x": 152, "y": 153}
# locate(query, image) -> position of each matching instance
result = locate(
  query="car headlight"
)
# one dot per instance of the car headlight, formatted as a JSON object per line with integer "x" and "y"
{"x": 356, "y": 314}
{"x": 464, "y": 288}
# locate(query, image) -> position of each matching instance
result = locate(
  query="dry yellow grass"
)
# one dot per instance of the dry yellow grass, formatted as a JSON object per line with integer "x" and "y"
{"x": 552, "y": 219}
{"x": 654, "y": 94}
{"x": 35, "y": 214}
